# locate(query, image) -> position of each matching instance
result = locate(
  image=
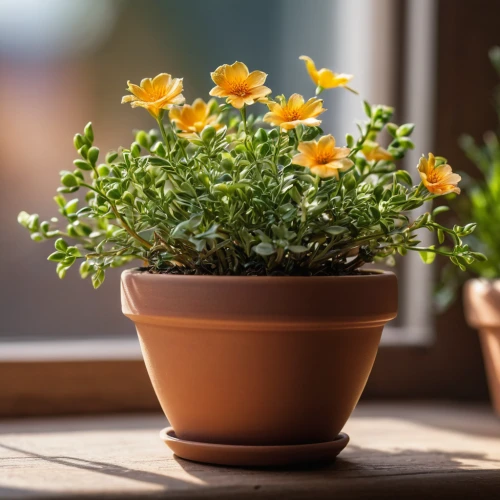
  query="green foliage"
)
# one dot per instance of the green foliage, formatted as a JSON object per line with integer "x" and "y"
{"x": 232, "y": 202}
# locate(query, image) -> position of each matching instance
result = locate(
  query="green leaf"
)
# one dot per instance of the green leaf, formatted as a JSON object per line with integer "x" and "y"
{"x": 69, "y": 180}
{"x": 93, "y": 155}
{"x": 89, "y": 132}
{"x": 264, "y": 249}
{"x": 439, "y": 210}
{"x": 98, "y": 278}
{"x": 427, "y": 257}
{"x": 368, "y": 109}
{"x": 297, "y": 248}
{"x": 404, "y": 176}
{"x": 61, "y": 245}
{"x": 23, "y": 219}
{"x": 336, "y": 230}
{"x": 57, "y": 256}
{"x": 405, "y": 129}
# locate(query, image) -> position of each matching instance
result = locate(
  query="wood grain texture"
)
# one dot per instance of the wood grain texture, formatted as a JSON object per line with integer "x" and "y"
{"x": 404, "y": 451}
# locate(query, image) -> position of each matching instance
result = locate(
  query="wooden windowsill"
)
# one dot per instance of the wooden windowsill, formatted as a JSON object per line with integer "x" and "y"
{"x": 407, "y": 451}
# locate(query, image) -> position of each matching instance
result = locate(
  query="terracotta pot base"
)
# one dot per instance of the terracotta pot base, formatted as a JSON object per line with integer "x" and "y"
{"x": 253, "y": 456}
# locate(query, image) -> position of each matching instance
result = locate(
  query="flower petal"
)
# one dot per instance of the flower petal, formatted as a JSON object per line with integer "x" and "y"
{"x": 219, "y": 76}
{"x": 303, "y": 160}
{"x": 256, "y": 78}
{"x": 295, "y": 101}
{"x": 200, "y": 109}
{"x": 341, "y": 153}
{"x": 218, "y": 92}
{"x": 309, "y": 148}
{"x": 313, "y": 107}
{"x": 258, "y": 92}
{"x": 137, "y": 91}
{"x": 162, "y": 82}
{"x": 326, "y": 144}
{"x": 236, "y": 101}
{"x": 311, "y": 68}
{"x": 324, "y": 172}
{"x": 237, "y": 72}
{"x": 273, "y": 118}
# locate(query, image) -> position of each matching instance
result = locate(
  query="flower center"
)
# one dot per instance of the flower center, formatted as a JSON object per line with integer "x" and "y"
{"x": 239, "y": 88}
{"x": 291, "y": 115}
{"x": 434, "y": 177}
{"x": 323, "y": 159}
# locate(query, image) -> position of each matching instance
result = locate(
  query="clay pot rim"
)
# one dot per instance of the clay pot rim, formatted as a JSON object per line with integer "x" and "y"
{"x": 368, "y": 274}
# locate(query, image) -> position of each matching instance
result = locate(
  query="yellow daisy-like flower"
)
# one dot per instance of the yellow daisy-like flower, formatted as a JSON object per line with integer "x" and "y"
{"x": 238, "y": 85}
{"x": 438, "y": 180}
{"x": 323, "y": 158}
{"x": 155, "y": 94}
{"x": 325, "y": 78}
{"x": 375, "y": 152}
{"x": 193, "y": 119}
{"x": 294, "y": 112}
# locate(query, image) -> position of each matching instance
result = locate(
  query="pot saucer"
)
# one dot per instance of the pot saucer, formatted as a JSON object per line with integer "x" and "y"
{"x": 254, "y": 456}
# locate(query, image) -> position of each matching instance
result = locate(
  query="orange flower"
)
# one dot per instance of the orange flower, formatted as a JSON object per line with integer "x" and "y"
{"x": 323, "y": 158}
{"x": 374, "y": 152}
{"x": 193, "y": 119}
{"x": 290, "y": 114}
{"x": 438, "y": 180}
{"x": 155, "y": 94}
{"x": 238, "y": 85}
{"x": 325, "y": 78}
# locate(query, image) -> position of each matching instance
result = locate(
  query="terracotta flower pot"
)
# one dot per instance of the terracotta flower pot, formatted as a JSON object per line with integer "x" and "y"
{"x": 259, "y": 360}
{"x": 482, "y": 310}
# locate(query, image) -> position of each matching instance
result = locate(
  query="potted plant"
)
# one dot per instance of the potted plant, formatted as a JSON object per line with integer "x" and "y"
{"x": 482, "y": 290}
{"x": 258, "y": 325}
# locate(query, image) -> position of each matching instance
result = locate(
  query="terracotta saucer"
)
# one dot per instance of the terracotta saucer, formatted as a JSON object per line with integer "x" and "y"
{"x": 254, "y": 456}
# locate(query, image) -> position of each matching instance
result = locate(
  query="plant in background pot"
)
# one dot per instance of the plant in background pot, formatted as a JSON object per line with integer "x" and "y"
{"x": 482, "y": 293}
{"x": 258, "y": 326}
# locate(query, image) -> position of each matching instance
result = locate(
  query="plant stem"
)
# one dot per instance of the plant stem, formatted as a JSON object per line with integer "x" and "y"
{"x": 165, "y": 138}
{"x": 120, "y": 217}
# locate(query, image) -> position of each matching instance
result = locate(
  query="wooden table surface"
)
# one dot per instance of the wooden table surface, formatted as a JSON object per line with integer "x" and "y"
{"x": 403, "y": 450}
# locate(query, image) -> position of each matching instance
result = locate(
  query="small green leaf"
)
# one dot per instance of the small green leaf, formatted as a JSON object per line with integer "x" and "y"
{"x": 264, "y": 249}
{"x": 336, "y": 230}
{"x": 61, "y": 245}
{"x": 297, "y": 248}
{"x": 57, "y": 256}
{"x": 439, "y": 210}
{"x": 98, "y": 278}
{"x": 427, "y": 257}
{"x": 89, "y": 132}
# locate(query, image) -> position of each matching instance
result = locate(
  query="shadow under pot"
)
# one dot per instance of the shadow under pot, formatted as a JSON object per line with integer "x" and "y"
{"x": 258, "y": 370}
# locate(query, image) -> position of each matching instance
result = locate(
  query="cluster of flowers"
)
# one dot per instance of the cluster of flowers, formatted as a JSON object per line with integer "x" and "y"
{"x": 242, "y": 88}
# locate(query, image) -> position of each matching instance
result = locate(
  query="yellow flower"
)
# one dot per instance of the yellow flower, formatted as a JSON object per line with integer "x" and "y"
{"x": 193, "y": 119}
{"x": 325, "y": 78}
{"x": 238, "y": 85}
{"x": 438, "y": 180}
{"x": 155, "y": 94}
{"x": 323, "y": 158}
{"x": 375, "y": 152}
{"x": 290, "y": 114}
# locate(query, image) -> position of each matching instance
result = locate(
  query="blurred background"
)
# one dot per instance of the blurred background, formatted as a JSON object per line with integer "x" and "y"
{"x": 63, "y": 63}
